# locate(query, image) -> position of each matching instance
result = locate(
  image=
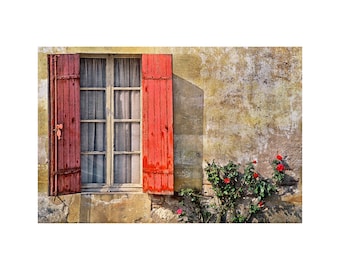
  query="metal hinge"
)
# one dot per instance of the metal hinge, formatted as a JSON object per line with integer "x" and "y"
{"x": 67, "y": 171}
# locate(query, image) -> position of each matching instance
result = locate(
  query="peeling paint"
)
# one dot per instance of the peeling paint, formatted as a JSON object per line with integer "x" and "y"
{"x": 48, "y": 50}
{"x": 43, "y": 89}
{"x": 96, "y": 200}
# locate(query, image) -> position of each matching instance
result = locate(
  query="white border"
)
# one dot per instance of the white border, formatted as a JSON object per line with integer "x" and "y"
{"x": 31, "y": 24}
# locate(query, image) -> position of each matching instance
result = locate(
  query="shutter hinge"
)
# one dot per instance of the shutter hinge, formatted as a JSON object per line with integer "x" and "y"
{"x": 67, "y": 171}
{"x": 156, "y": 78}
{"x": 155, "y": 171}
{"x": 66, "y": 77}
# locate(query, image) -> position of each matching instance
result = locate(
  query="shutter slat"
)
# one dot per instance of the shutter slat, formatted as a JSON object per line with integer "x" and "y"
{"x": 158, "y": 175}
{"x": 65, "y": 110}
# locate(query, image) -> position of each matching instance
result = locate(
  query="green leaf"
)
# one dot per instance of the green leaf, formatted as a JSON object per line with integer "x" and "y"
{"x": 261, "y": 189}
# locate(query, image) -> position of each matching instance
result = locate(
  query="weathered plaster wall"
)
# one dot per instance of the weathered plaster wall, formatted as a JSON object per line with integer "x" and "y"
{"x": 253, "y": 107}
{"x": 234, "y": 104}
{"x": 252, "y": 103}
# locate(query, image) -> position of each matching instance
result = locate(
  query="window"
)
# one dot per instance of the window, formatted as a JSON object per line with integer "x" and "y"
{"x": 110, "y": 104}
{"x": 110, "y": 124}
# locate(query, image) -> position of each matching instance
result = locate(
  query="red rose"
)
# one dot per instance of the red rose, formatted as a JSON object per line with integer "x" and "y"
{"x": 179, "y": 211}
{"x": 280, "y": 167}
{"x": 254, "y": 161}
{"x": 226, "y": 180}
{"x": 279, "y": 157}
{"x": 255, "y": 175}
{"x": 260, "y": 204}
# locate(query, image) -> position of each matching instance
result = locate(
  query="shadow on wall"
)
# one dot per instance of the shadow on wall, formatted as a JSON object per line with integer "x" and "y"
{"x": 188, "y": 134}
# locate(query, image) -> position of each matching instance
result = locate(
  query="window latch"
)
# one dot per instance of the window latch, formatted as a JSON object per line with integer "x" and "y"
{"x": 58, "y": 129}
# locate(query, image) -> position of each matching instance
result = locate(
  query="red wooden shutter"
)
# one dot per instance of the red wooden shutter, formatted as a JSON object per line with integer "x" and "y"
{"x": 64, "y": 124}
{"x": 158, "y": 168}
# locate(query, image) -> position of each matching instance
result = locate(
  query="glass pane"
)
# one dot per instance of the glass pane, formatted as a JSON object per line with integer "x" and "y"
{"x": 92, "y": 105}
{"x": 93, "y": 137}
{"x": 127, "y": 136}
{"x": 93, "y": 168}
{"x": 127, "y": 72}
{"x": 92, "y": 72}
{"x": 126, "y": 169}
{"x": 127, "y": 105}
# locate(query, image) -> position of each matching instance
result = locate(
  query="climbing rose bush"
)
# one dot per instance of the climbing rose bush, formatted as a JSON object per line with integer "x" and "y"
{"x": 231, "y": 189}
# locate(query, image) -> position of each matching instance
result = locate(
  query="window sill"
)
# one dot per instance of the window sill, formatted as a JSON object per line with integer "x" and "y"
{"x": 117, "y": 188}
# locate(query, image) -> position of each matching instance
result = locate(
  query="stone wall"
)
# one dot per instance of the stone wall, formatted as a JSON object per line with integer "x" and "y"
{"x": 95, "y": 208}
{"x": 235, "y": 104}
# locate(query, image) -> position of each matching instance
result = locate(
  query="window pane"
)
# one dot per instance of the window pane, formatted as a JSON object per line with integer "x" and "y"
{"x": 92, "y": 105}
{"x": 127, "y": 72}
{"x": 127, "y": 105}
{"x": 92, "y": 72}
{"x": 127, "y": 137}
{"x": 93, "y": 137}
{"x": 126, "y": 169}
{"x": 93, "y": 168}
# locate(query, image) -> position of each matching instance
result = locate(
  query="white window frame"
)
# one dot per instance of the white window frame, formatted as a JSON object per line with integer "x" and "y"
{"x": 109, "y": 185}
